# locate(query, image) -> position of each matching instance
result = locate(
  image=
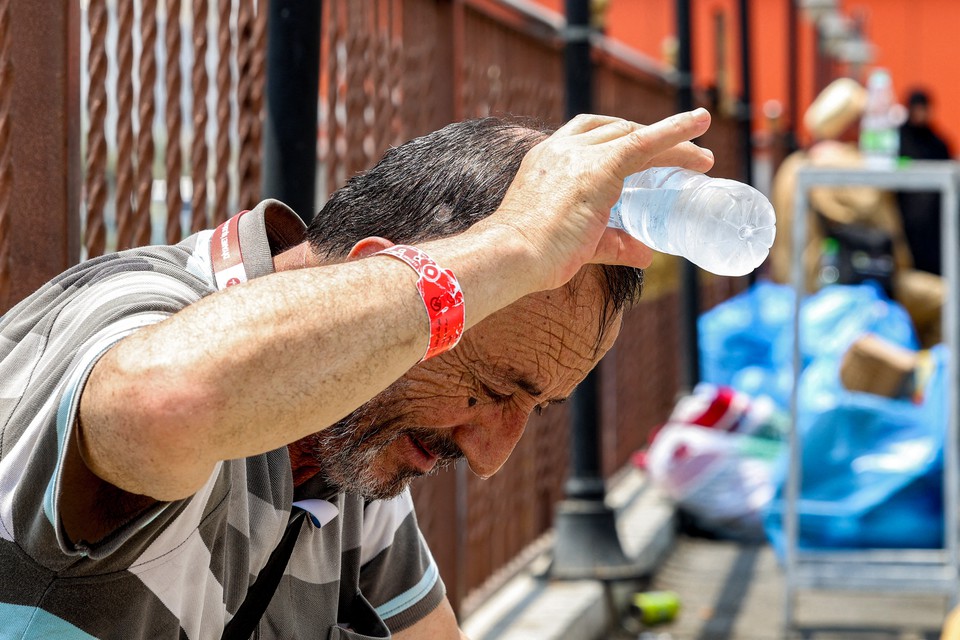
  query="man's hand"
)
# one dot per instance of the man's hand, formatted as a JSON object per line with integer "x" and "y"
{"x": 561, "y": 198}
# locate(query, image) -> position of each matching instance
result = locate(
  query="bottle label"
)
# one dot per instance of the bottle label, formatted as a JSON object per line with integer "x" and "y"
{"x": 879, "y": 142}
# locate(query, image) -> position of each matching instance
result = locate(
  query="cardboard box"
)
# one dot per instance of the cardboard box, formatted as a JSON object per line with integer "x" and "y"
{"x": 873, "y": 365}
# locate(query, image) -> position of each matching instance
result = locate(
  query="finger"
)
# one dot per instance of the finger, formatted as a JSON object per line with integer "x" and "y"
{"x": 583, "y": 123}
{"x": 686, "y": 155}
{"x": 632, "y": 152}
{"x": 620, "y": 248}
{"x": 609, "y": 131}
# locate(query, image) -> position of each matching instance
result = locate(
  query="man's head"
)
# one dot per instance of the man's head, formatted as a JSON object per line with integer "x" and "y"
{"x": 475, "y": 400}
{"x": 433, "y": 186}
{"x": 918, "y": 107}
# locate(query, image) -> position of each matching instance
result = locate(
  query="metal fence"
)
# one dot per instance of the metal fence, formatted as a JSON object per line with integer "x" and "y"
{"x": 162, "y": 135}
{"x": 172, "y": 103}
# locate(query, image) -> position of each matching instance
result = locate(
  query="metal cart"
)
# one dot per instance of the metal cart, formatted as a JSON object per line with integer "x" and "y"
{"x": 900, "y": 570}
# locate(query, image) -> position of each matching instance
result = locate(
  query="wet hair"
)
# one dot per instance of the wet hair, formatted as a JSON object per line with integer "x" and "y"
{"x": 438, "y": 185}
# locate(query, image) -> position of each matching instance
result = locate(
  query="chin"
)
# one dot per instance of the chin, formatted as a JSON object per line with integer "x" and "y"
{"x": 376, "y": 473}
{"x": 384, "y": 488}
{"x": 388, "y": 492}
{"x": 371, "y": 483}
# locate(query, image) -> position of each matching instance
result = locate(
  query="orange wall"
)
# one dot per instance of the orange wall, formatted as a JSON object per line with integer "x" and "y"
{"x": 917, "y": 40}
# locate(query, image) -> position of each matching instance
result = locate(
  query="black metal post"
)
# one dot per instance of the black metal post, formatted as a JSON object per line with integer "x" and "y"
{"x": 793, "y": 75}
{"x": 293, "y": 76}
{"x": 746, "y": 104}
{"x": 577, "y": 66}
{"x": 689, "y": 283}
{"x": 586, "y": 544}
{"x": 684, "y": 57}
{"x": 746, "y": 94}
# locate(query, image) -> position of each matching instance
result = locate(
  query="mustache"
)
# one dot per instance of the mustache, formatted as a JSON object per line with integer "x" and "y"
{"x": 438, "y": 443}
{"x": 347, "y": 452}
{"x": 368, "y": 429}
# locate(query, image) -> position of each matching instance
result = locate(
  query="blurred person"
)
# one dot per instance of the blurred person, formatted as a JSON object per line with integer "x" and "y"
{"x": 848, "y": 221}
{"x": 176, "y": 418}
{"x": 831, "y": 120}
{"x": 920, "y": 211}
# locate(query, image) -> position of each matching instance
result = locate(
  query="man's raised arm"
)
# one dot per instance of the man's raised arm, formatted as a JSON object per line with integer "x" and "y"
{"x": 258, "y": 366}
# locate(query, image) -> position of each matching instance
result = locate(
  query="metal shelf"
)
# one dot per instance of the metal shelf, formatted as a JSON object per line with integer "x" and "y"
{"x": 902, "y": 570}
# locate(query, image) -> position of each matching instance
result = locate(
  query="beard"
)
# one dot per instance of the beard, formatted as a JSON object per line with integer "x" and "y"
{"x": 351, "y": 453}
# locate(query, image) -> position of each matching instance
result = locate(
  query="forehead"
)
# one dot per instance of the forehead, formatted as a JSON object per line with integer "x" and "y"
{"x": 549, "y": 338}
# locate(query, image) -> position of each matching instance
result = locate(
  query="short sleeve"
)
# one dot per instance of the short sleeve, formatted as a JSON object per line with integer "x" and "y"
{"x": 398, "y": 574}
{"x": 48, "y": 346}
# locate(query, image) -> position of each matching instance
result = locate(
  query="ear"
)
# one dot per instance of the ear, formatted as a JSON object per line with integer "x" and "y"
{"x": 368, "y": 246}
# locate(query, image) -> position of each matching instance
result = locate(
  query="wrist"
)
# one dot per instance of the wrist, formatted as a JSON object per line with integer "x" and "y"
{"x": 494, "y": 264}
{"x": 441, "y": 296}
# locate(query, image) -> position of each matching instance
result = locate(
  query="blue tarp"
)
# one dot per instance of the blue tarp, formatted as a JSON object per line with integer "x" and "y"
{"x": 871, "y": 465}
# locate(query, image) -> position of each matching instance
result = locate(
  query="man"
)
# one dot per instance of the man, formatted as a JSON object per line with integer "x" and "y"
{"x": 159, "y": 423}
{"x": 843, "y": 214}
{"x": 921, "y": 210}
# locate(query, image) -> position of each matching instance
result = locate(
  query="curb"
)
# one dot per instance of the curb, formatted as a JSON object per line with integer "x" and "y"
{"x": 528, "y": 607}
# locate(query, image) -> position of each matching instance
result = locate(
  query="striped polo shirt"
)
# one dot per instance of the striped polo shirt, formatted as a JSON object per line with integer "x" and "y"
{"x": 359, "y": 569}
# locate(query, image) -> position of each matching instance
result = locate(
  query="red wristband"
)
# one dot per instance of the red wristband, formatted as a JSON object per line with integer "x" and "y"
{"x": 441, "y": 296}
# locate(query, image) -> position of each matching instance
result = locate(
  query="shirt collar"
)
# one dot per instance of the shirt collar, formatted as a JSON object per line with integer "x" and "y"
{"x": 265, "y": 231}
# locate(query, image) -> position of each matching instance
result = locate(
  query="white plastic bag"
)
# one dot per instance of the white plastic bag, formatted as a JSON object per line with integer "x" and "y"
{"x": 723, "y": 479}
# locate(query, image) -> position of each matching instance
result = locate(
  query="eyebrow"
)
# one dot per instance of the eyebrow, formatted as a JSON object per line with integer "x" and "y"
{"x": 531, "y": 388}
{"x": 526, "y": 385}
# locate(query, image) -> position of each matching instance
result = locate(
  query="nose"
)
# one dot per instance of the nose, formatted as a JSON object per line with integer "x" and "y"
{"x": 489, "y": 439}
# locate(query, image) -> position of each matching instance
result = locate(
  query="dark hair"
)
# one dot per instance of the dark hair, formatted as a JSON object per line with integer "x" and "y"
{"x": 918, "y": 98}
{"x": 438, "y": 185}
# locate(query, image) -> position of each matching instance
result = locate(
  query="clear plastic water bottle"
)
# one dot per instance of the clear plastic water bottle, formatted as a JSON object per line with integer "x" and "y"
{"x": 879, "y": 126}
{"x": 722, "y": 226}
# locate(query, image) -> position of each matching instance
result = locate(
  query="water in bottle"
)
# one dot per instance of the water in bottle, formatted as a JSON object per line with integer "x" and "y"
{"x": 722, "y": 226}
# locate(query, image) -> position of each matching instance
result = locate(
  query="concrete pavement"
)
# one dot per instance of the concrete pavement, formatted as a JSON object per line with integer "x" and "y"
{"x": 728, "y": 591}
{"x": 529, "y": 607}
{"x": 732, "y": 591}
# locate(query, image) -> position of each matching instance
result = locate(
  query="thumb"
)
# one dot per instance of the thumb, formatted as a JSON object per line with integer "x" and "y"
{"x": 620, "y": 248}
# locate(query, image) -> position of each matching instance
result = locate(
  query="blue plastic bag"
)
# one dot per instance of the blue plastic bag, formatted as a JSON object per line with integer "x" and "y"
{"x": 743, "y": 332}
{"x": 871, "y": 466}
{"x": 836, "y": 316}
{"x": 746, "y": 342}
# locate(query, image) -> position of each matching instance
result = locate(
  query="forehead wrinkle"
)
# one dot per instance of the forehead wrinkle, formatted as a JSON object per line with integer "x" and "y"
{"x": 565, "y": 353}
{"x": 551, "y": 339}
{"x": 582, "y": 345}
{"x": 437, "y": 379}
{"x": 555, "y": 395}
{"x": 548, "y": 352}
{"x": 604, "y": 318}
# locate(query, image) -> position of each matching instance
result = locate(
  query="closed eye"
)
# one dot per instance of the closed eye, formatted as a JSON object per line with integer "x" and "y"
{"x": 540, "y": 408}
{"x": 493, "y": 395}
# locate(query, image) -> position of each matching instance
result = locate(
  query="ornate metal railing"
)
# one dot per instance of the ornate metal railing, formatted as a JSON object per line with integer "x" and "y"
{"x": 173, "y": 115}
